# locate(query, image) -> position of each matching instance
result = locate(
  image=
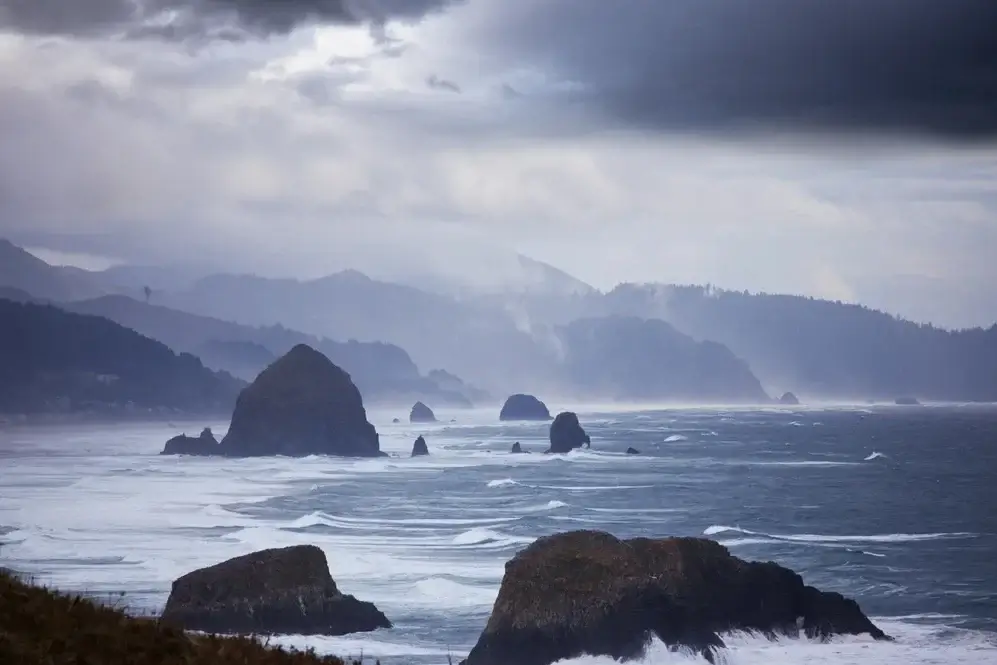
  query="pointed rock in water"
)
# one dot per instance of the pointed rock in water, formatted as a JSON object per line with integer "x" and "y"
{"x": 516, "y": 448}
{"x": 633, "y": 451}
{"x": 302, "y": 404}
{"x": 421, "y": 414}
{"x": 524, "y": 407}
{"x": 419, "y": 448}
{"x": 566, "y": 434}
{"x": 789, "y": 399}
{"x": 395, "y": 421}
{"x": 205, "y": 444}
{"x": 590, "y": 593}
{"x": 286, "y": 591}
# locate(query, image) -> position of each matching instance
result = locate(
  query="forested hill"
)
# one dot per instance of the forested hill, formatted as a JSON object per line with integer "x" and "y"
{"x": 53, "y": 361}
{"x": 821, "y": 348}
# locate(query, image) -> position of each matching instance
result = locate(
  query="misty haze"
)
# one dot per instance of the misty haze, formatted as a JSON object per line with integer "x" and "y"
{"x": 498, "y": 333}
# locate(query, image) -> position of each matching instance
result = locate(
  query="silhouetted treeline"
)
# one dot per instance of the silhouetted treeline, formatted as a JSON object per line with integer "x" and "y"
{"x": 56, "y": 361}
{"x": 825, "y": 348}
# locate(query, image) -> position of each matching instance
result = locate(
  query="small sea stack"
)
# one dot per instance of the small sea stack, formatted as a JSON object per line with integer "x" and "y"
{"x": 789, "y": 399}
{"x": 524, "y": 407}
{"x": 421, "y": 414}
{"x": 566, "y": 433}
{"x": 517, "y": 449}
{"x": 419, "y": 448}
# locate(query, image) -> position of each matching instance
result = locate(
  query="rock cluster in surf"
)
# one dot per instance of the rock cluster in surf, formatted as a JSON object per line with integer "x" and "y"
{"x": 590, "y": 593}
{"x": 205, "y": 444}
{"x": 276, "y": 591}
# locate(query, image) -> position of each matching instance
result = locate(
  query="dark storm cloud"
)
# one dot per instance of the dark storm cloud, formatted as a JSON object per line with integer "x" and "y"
{"x": 922, "y": 66}
{"x": 182, "y": 20}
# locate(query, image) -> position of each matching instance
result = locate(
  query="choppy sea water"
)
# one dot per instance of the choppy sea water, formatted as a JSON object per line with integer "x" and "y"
{"x": 896, "y": 507}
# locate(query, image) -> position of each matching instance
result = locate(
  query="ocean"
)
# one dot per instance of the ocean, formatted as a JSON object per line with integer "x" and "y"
{"x": 894, "y": 506}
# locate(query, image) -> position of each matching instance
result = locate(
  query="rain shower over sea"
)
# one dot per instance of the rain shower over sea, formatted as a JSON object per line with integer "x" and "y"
{"x": 894, "y": 506}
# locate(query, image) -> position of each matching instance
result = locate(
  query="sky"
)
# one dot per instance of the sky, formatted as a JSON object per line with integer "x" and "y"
{"x": 843, "y": 149}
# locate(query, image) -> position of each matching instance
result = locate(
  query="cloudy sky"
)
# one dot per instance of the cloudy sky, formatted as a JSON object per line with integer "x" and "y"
{"x": 838, "y": 148}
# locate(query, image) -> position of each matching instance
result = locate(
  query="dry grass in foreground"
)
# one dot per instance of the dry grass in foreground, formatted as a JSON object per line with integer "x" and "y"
{"x": 43, "y": 627}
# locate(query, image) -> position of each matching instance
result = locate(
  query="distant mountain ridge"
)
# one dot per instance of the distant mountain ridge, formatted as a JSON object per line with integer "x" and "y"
{"x": 508, "y": 341}
{"x": 23, "y": 271}
{"x": 820, "y": 348}
{"x": 58, "y": 362}
{"x": 630, "y": 359}
{"x": 383, "y": 372}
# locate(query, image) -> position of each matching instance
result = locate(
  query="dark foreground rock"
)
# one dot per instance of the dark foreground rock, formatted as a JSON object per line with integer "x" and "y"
{"x": 276, "y": 591}
{"x": 205, "y": 444}
{"x": 524, "y": 407}
{"x": 300, "y": 405}
{"x": 587, "y": 592}
{"x": 419, "y": 448}
{"x": 421, "y": 414}
{"x": 566, "y": 434}
{"x": 789, "y": 399}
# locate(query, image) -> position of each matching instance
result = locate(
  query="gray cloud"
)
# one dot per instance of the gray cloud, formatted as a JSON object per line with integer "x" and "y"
{"x": 884, "y": 66}
{"x": 184, "y": 20}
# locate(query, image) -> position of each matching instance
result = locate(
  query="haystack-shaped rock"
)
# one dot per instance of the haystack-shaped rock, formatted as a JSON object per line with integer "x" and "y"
{"x": 566, "y": 433}
{"x": 302, "y": 404}
{"x": 421, "y": 414}
{"x": 205, "y": 444}
{"x": 789, "y": 399}
{"x": 524, "y": 407}
{"x": 587, "y": 592}
{"x": 419, "y": 448}
{"x": 275, "y": 591}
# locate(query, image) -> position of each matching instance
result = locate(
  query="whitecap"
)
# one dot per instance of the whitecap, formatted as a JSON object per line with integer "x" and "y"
{"x": 440, "y": 591}
{"x": 874, "y": 456}
{"x": 483, "y": 536}
{"x": 915, "y": 645}
{"x": 504, "y": 482}
{"x": 675, "y": 438}
{"x": 821, "y": 538}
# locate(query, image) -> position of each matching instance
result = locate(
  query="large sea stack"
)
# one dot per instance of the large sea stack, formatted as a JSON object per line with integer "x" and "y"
{"x": 302, "y": 404}
{"x": 524, "y": 407}
{"x": 589, "y": 593}
{"x": 789, "y": 399}
{"x": 566, "y": 433}
{"x": 276, "y": 591}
